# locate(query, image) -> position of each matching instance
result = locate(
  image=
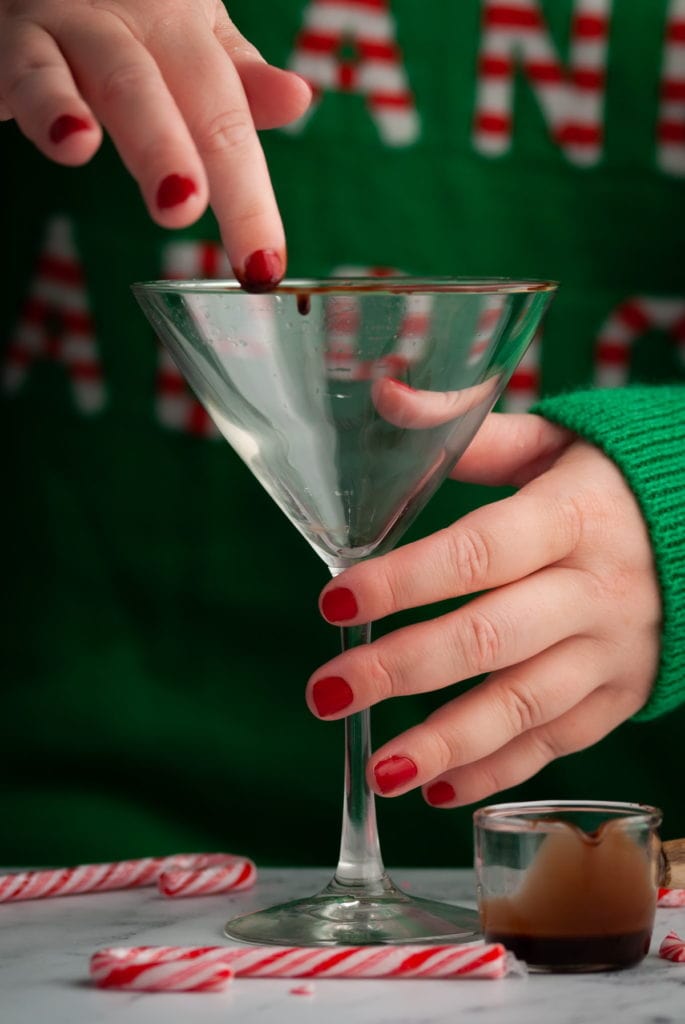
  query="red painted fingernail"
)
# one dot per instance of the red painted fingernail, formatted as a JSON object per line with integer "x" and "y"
{"x": 65, "y": 125}
{"x": 401, "y": 384}
{"x": 331, "y": 695}
{"x": 339, "y": 604}
{"x": 173, "y": 190}
{"x": 263, "y": 270}
{"x": 440, "y": 793}
{"x": 394, "y": 772}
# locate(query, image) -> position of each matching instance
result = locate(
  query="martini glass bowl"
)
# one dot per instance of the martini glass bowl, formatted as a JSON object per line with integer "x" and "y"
{"x": 350, "y": 400}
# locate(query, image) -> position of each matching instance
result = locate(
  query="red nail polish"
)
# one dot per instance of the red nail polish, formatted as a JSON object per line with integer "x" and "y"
{"x": 263, "y": 270}
{"x": 65, "y": 125}
{"x": 339, "y": 604}
{"x": 173, "y": 190}
{"x": 394, "y": 772}
{"x": 331, "y": 695}
{"x": 440, "y": 793}
{"x": 401, "y": 384}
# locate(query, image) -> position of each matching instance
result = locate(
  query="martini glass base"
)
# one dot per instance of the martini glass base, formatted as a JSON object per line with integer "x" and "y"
{"x": 348, "y": 915}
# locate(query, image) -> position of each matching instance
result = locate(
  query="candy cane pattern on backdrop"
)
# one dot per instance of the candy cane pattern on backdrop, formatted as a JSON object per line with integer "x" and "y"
{"x": 378, "y": 73}
{"x": 343, "y": 324}
{"x": 175, "y": 404}
{"x": 572, "y": 99}
{"x": 671, "y": 123}
{"x": 55, "y": 322}
{"x": 628, "y": 322}
{"x": 524, "y": 384}
{"x": 160, "y": 967}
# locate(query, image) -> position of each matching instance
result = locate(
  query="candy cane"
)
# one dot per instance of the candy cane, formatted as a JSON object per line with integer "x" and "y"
{"x": 673, "y": 948}
{"x": 230, "y": 872}
{"x": 671, "y": 898}
{"x": 162, "y": 969}
{"x": 234, "y": 875}
{"x": 173, "y": 968}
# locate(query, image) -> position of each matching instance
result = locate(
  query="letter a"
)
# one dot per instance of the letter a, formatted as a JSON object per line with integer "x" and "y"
{"x": 377, "y": 70}
{"x": 55, "y": 322}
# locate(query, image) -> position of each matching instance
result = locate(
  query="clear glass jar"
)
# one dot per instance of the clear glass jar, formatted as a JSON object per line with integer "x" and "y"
{"x": 569, "y": 885}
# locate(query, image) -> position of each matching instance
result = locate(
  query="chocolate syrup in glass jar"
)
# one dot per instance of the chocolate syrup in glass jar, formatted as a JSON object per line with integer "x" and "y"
{"x": 587, "y": 902}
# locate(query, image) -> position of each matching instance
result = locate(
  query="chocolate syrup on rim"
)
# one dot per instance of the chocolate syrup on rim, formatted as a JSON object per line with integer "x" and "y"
{"x": 304, "y": 303}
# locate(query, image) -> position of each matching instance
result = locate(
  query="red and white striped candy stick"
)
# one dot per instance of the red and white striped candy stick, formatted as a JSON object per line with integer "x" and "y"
{"x": 234, "y": 874}
{"x": 673, "y": 948}
{"x": 162, "y": 969}
{"x": 124, "y": 874}
{"x": 671, "y": 898}
{"x": 471, "y": 960}
{"x": 126, "y": 968}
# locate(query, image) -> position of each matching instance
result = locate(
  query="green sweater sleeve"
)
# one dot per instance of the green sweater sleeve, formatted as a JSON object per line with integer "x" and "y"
{"x": 642, "y": 429}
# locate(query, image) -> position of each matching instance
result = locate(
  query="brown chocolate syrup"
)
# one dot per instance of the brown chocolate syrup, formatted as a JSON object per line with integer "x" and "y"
{"x": 586, "y": 901}
{"x": 304, "y": 303}
{"x": 590, "y": 952}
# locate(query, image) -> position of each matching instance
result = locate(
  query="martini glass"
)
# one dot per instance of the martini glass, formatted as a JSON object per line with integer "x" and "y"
{"x": 350, "y": 401}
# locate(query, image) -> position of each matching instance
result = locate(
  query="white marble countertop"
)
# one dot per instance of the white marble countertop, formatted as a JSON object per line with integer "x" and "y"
{"x": 45, "y": 946}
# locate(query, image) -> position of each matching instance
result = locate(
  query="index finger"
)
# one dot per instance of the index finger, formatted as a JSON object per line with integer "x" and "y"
{"x": 211, "y": 98}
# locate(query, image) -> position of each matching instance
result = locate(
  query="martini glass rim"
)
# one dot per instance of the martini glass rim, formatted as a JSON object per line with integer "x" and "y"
{"x": 401, "y": 285}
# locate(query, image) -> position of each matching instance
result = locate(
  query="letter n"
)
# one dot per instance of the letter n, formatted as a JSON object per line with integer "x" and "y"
{"x": 516, "y": 38}
{"x": 671, "y": 123}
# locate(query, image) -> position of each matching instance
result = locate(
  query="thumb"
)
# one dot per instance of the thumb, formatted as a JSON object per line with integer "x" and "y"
{"x": 511, "y": 449}
{"x": 276, "y": 97}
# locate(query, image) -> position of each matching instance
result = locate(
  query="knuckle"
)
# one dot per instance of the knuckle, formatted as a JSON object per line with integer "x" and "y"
{"x": 231, "y": 129}
{"x": 390, "y": 590}
{"x": 124, "y": 82}
{"x": 571, "y": 518}
{"x": 491, "y": 779}
{"x": 12, "y": 84}
{"x": 547, "y": 746}
{"x": 22, "y": 73}
{"x": 381, "y": 675}
{"x": 482, "y": 642}
{"x": 522, "y": 707}
{"x": 444, "y": 749}
{"x": 470, "y": 555}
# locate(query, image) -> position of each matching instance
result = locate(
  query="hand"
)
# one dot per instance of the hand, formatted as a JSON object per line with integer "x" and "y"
{"x": 568, "y": 627}
{"x": 181, "y": 93}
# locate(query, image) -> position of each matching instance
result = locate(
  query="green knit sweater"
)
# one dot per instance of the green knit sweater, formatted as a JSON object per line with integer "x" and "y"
{"x": 642, "y": 429}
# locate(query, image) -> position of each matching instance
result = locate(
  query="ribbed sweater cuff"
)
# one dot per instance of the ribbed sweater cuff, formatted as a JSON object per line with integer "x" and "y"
{"x": 642, "y": 429}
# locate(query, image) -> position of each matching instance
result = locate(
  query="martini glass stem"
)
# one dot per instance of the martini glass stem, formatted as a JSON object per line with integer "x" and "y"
{"x": 360, "y": 862}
